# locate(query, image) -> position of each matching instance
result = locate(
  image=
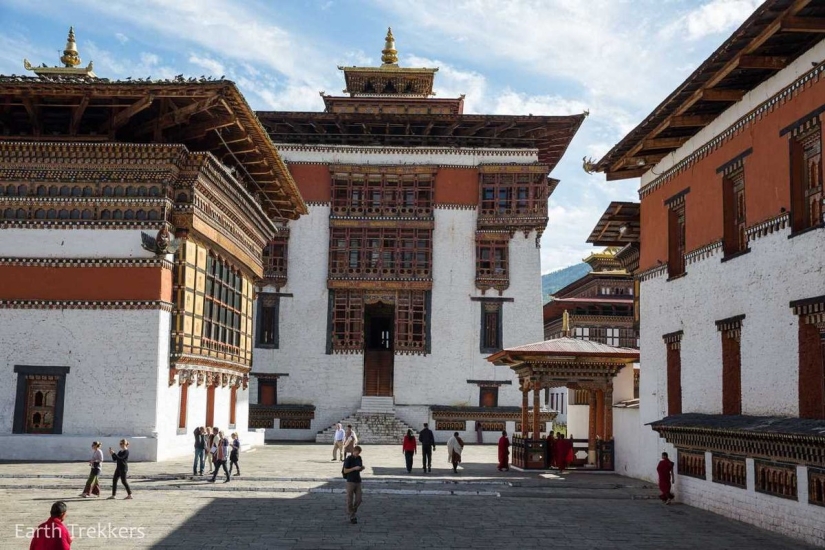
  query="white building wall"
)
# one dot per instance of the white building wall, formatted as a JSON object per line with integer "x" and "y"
{"x": 334, "y": 383}
{"x": 111, "y": 388}
{"x": 72, "y": 243}
{"x": 759, "y": 285}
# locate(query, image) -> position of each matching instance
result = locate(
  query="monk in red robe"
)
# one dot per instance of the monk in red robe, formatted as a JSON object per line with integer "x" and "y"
{"x": 564, "y": 450}
{"x": 503, "y": 452}
{"x": 666, "y": 479}
{"x": 551, "y": 449}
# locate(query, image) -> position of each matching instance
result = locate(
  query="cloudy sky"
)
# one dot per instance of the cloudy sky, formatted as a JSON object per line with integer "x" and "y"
{"x": 616, "y": 58}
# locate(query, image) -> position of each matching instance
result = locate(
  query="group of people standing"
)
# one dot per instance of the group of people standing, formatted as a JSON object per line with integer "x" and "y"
{"x": 409, "y": 447}
{"x": 344, "y": 442}
{"x": 121, "y": 457}
{"x": 212, "y": 447}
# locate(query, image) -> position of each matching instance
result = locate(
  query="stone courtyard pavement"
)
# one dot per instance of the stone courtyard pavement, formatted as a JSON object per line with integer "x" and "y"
{"x": 291, "y": 496}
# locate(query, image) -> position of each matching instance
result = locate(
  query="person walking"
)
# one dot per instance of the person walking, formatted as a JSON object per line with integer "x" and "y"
{"x": 479, "y": 433}
{"x": 122, "y": 469}
{"x": 503, "y": 452}
{"x": 220, "y": 458}
{"x": 454, "y": 447}
{"x": 353, "y": 466}
{"x": 209, "y": 447}
{"x": 338, "y": 443}
{"x": 350, "y": 440}
{"x": 93, "y": 482}
{"x": 409, "y": 449}
{"x": 551, "y": 449}
{"x": 53, "y": 534}
{"x": 200, "y": 447}
{"x": 234, "y": 454}
{"x": 427, "y": 441}
{"x": 666, "y": 479}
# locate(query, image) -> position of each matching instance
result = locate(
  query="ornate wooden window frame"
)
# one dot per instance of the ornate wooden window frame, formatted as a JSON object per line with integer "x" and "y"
{"x": 485, "y": 390}
{"x": 730, "y": 330}
{"x": 276, "y": 259}
{"x": 267, "y": 331}
{"x": 492, "y": 326}
{"x": 816, "y": 486}
{"x": 811, "y": 389}
{"x": 676, "y": 234}
{"x": 26, "y": 373}
{"x": 492, "y": 261}
{"x": 380, "y": 253}
{"x": 517, "y": 192}
{"x": 359, "y": 191}
{"x": 222, "y": 305}
{"x": 805, "y": 151}
{"x": 673, "y": 344}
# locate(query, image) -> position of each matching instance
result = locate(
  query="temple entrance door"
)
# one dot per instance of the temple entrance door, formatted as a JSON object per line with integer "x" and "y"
{"x": 379, "y": 321}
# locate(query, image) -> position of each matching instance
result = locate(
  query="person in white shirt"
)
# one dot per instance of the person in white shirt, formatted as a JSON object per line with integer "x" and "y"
{"x": 338, "y": 443}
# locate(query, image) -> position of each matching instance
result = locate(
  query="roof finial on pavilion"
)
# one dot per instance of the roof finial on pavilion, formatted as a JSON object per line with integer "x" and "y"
{"x": 565, "y": 324}
{"x": 70, "y": 60}
{"x": 389, "y": 53}
{"x": 70, "y": 57}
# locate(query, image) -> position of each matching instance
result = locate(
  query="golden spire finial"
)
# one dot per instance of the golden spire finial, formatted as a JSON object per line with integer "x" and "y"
{"x": 565, "y": 324}
{"x": 389, "y": 53}
{"x": 70, "y": 58}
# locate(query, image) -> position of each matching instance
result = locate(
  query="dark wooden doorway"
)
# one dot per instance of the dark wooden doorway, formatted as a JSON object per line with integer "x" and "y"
{"x": 379, "y": 322}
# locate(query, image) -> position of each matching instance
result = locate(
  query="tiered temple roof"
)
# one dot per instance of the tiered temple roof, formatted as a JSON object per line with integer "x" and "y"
{"x": 72, "y": 105}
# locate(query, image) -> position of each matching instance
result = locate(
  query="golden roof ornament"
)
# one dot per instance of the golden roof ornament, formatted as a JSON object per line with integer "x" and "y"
{"x": 70, "y": 60}
{"x": 389, "y": 53}
{"x": 70, "y": 57}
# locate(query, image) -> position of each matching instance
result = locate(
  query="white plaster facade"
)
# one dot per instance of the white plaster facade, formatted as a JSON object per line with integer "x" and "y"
{"x": 113, "y": 391}
{"x": 334, "y": 383}
{"x": 118, "y": 382}
{"x": 759, "y": 285}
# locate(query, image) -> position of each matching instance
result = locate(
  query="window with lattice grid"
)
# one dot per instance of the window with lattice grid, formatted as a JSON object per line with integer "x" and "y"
{"x": 513, "y": 194}
{"x": 382, "y": 194}
{"x": 411, "y": 321}
{"x": 347, "y": 321}
{"x": 492, "y": 259}
{"x": 222, "y": 303}
{"x": 275, "y": 256}
{"x": 376, "y": 253}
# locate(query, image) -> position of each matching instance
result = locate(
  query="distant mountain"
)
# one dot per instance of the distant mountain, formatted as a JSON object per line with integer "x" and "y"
{"x": 553, "y": 281}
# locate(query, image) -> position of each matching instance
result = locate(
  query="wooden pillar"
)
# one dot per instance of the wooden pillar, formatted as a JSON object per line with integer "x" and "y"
{"x": 608, "y": 411}
{"x": 599, "y": 414}
{"x": 591, "y": 436}
{"x": 525, "y": 387}
{"x": 536, "y": 408}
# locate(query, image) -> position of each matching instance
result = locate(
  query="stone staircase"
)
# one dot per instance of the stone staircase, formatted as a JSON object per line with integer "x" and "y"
{"x": 374, "y": 423}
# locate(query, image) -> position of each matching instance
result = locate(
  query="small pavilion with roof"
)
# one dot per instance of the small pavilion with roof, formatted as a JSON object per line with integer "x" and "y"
{"x": 574, "y": 364}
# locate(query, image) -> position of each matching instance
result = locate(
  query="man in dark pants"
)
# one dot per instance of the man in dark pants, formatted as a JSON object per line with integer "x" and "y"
{"x": 427, "y": 441}
{"x": 353, "y": 466}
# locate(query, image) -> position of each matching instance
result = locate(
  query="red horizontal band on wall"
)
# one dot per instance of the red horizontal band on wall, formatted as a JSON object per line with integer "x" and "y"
{"x": 85, "y": 283}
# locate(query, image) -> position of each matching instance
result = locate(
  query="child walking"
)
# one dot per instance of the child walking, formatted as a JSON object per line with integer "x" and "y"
{"x": 122, "y": 459}
{"x": 93, "y": 482}
{"x": 234, "y": 453}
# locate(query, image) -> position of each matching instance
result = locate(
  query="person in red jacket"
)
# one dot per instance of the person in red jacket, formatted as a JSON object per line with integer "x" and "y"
{"x": 503, "y": 452}
{"x": 52, "y": 534}
{"x": 409, "y": 448}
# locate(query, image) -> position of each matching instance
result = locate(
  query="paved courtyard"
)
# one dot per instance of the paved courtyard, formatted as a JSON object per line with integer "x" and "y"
{"x": 291, "y": 496}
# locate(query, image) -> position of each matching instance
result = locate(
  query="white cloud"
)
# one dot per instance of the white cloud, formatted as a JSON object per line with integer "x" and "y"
{"x": 122, "y": 38}
{"x": 715, "y": 17}
{"x": 212, "y": 66}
